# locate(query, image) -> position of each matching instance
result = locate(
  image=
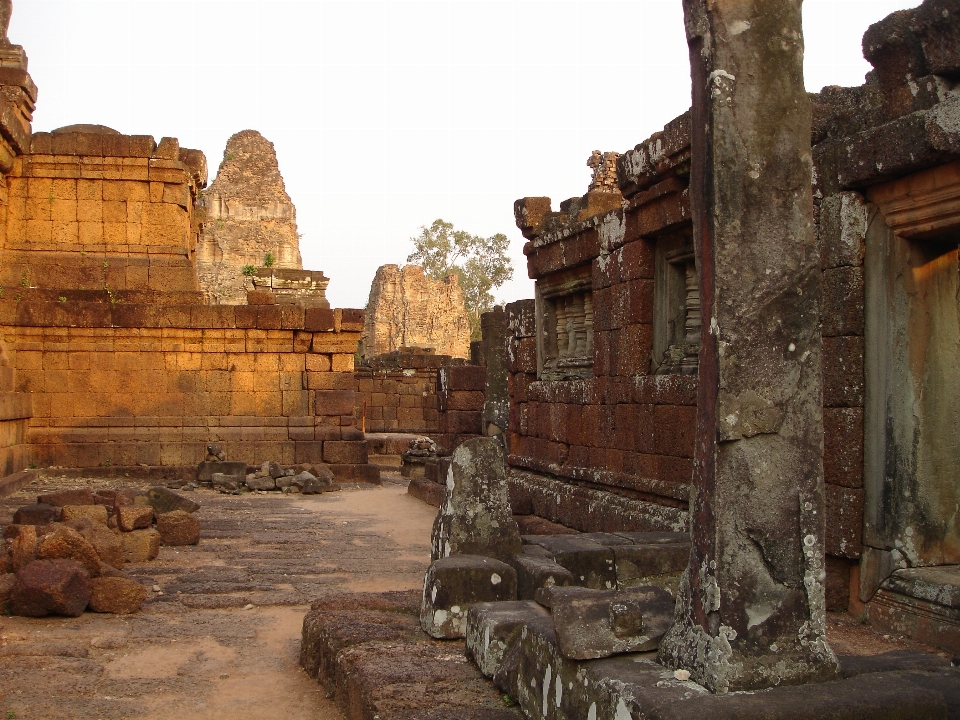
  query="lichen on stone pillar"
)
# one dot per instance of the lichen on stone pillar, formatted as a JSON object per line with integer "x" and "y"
{"x": 750, "y": 611}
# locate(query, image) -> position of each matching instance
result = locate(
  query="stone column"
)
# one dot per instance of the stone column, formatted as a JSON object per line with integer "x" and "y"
{"x": 496, "y": 403}
{"x": 750, "y": 613}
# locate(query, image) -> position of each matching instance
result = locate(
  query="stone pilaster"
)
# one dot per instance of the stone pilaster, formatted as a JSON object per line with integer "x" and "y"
{"x": 751, "y": 608}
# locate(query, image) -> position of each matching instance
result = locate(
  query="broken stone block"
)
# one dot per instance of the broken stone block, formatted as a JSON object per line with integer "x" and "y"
{"x": 655, "y": 538}
{"x": 455, "y": 583}
{"x": 104, "y": 541}
{"x": 206, "y": 470}
{"x": 320, "y": 471}
{"x": 51, "y": 587}
{"x": 225, "y": 483}
{"x": 41, "y": 514}
{"x": 6, "y": 564}
{"x": 475, "y": 517}
{"x": 493, "y": 629}
{"x": 117, "y": 595}
{"x": 163, "y": 500}
{"x": 134, "y": 517}
{"x": 308, "y": 484}
{"x": 65, "y": 543}
{"x": 97, "y": 513}
{"x": 140, "y": 545}
{"x": 594, "y": 623}
{"x": 7, "y": 583}
{"x": 66, "y": 497}
{"x": 256, "y": 482}
{"x": 592, "y": 564}
{"x": 284, "y": 482}
{"x": 23, "y": 548}
{"x": 660, "y": 565}
{"x": 535, "y": 572}
{"x": 178, "y": 528}
{"x": 276, "y": 470}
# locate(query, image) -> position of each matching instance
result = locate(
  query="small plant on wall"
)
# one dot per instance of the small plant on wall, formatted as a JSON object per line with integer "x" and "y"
{"x": 269, "y": 260}
{"x": 249, "y": 270}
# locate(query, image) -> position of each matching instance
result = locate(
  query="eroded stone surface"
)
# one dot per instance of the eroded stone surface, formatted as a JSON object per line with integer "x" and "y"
{"x": 408, "y": 309}
{"x": 756, "y": 573}
{"x": 51, "y": 587}
{"x": 453, "y": 584}
{"x": 249, "y": 215}
{"x": 475, "y": 517}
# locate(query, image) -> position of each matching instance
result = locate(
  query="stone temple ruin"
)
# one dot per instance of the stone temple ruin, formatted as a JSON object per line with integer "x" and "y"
{"x": 734, "y": 388}
{"x": 250, "y": 237}
{"x": 727, "y": 411}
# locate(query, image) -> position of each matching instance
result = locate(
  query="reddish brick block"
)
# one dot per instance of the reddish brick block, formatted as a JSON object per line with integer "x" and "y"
{"x": 318, "y": 319}
{"x": 351, "y": 320}
{"x": 465, "y": 377}
{"x": 269, "y": 317}
{"x": 675, "y": 470}
{"x": 639, "y": 298}
{"x": 633, "y": 346}
{"x": 843, "y": 301}
{"x": 844, "y": 511}
{"x": 335, "y": 402}
{"x": 603, "y": 312}
{"x": 843, "y": 372}
{"x": 464, "y": 400}
{"x": 590, "y": 425}
{"x": 607, "y": 431}
{"x": 574, "y": 436}
{"x": 636, "y": 260}
{"x": 843, "y": 446}
{"x": 461, "y": 423}
{"x": 526, "y": 355}
{"x": 308, "y": 452}
{"x": 345, "y": 452}
{"x": 674, "y": 429}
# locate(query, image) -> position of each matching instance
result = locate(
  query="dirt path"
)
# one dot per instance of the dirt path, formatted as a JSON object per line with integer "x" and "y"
{"x": 194, "y": 651}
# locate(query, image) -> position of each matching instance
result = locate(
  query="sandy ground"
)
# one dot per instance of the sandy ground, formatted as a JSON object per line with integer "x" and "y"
{"x": 194, "y": 651}
{"x": 219, "y": 636}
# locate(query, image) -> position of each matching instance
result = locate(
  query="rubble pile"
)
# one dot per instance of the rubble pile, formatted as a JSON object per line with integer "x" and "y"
{"x": 66, "y": 553}
{"x": 237, "y": 477}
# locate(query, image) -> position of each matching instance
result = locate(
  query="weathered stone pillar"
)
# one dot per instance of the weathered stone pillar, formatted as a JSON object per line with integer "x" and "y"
{"x": 496, "y": 404}
{"x": 750, "y": 613}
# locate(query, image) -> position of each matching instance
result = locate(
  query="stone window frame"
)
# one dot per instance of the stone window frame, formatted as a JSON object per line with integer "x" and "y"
{"x": 569, "y": 295}
{"x": 676, "y": 308}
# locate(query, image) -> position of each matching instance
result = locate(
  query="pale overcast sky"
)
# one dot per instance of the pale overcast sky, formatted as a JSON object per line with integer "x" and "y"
{"x": 388, "y": 115}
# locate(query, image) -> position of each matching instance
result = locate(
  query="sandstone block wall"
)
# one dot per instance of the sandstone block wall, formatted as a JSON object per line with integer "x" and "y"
{"x": 407, "y": 309}
{"x": 397, "y": 392}
{"x": 123, "y": 384}
{"x": 460, "y": 398}
{"x": 101, "y": 211}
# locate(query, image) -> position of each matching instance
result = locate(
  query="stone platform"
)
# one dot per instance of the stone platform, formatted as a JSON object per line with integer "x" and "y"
{"x": 367, "y": 650}
{"x": 897, "y": 685}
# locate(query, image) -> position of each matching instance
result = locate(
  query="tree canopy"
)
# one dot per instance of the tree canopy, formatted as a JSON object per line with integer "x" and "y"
{"x": 481, "y": 264}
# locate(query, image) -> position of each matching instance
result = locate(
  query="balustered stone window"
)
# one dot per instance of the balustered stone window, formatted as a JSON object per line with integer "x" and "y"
{"x": 565, "y": 326}
{"x": 676, "y": 329}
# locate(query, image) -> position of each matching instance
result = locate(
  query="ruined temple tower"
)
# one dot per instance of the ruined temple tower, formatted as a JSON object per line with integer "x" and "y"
{"x": 250, "y": 221}
{"x": 409, "y": 309}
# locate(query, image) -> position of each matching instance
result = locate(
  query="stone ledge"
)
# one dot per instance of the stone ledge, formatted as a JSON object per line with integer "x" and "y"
{"x": 591, "y": 510}
{"x": 367, "y": 650}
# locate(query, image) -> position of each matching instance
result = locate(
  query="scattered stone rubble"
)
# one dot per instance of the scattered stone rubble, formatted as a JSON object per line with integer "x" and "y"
{"x": 237, "y": 477}
{"x": 66, "y": 553}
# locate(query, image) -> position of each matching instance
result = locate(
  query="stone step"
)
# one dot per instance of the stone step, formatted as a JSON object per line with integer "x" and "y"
{"x": 369, "y": 653}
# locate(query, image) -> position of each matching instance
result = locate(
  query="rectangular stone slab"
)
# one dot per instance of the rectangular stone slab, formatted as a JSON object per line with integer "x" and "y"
{"x": 591, "y": 563}
{"x": 594, "y": 624}
{"x": 494, "y": 628}
{"x": 536, "y": 572}
{"x": 455, "y": 583}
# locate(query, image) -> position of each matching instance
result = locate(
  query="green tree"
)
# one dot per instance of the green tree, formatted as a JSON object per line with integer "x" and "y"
{"x": 481, "y": 264}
